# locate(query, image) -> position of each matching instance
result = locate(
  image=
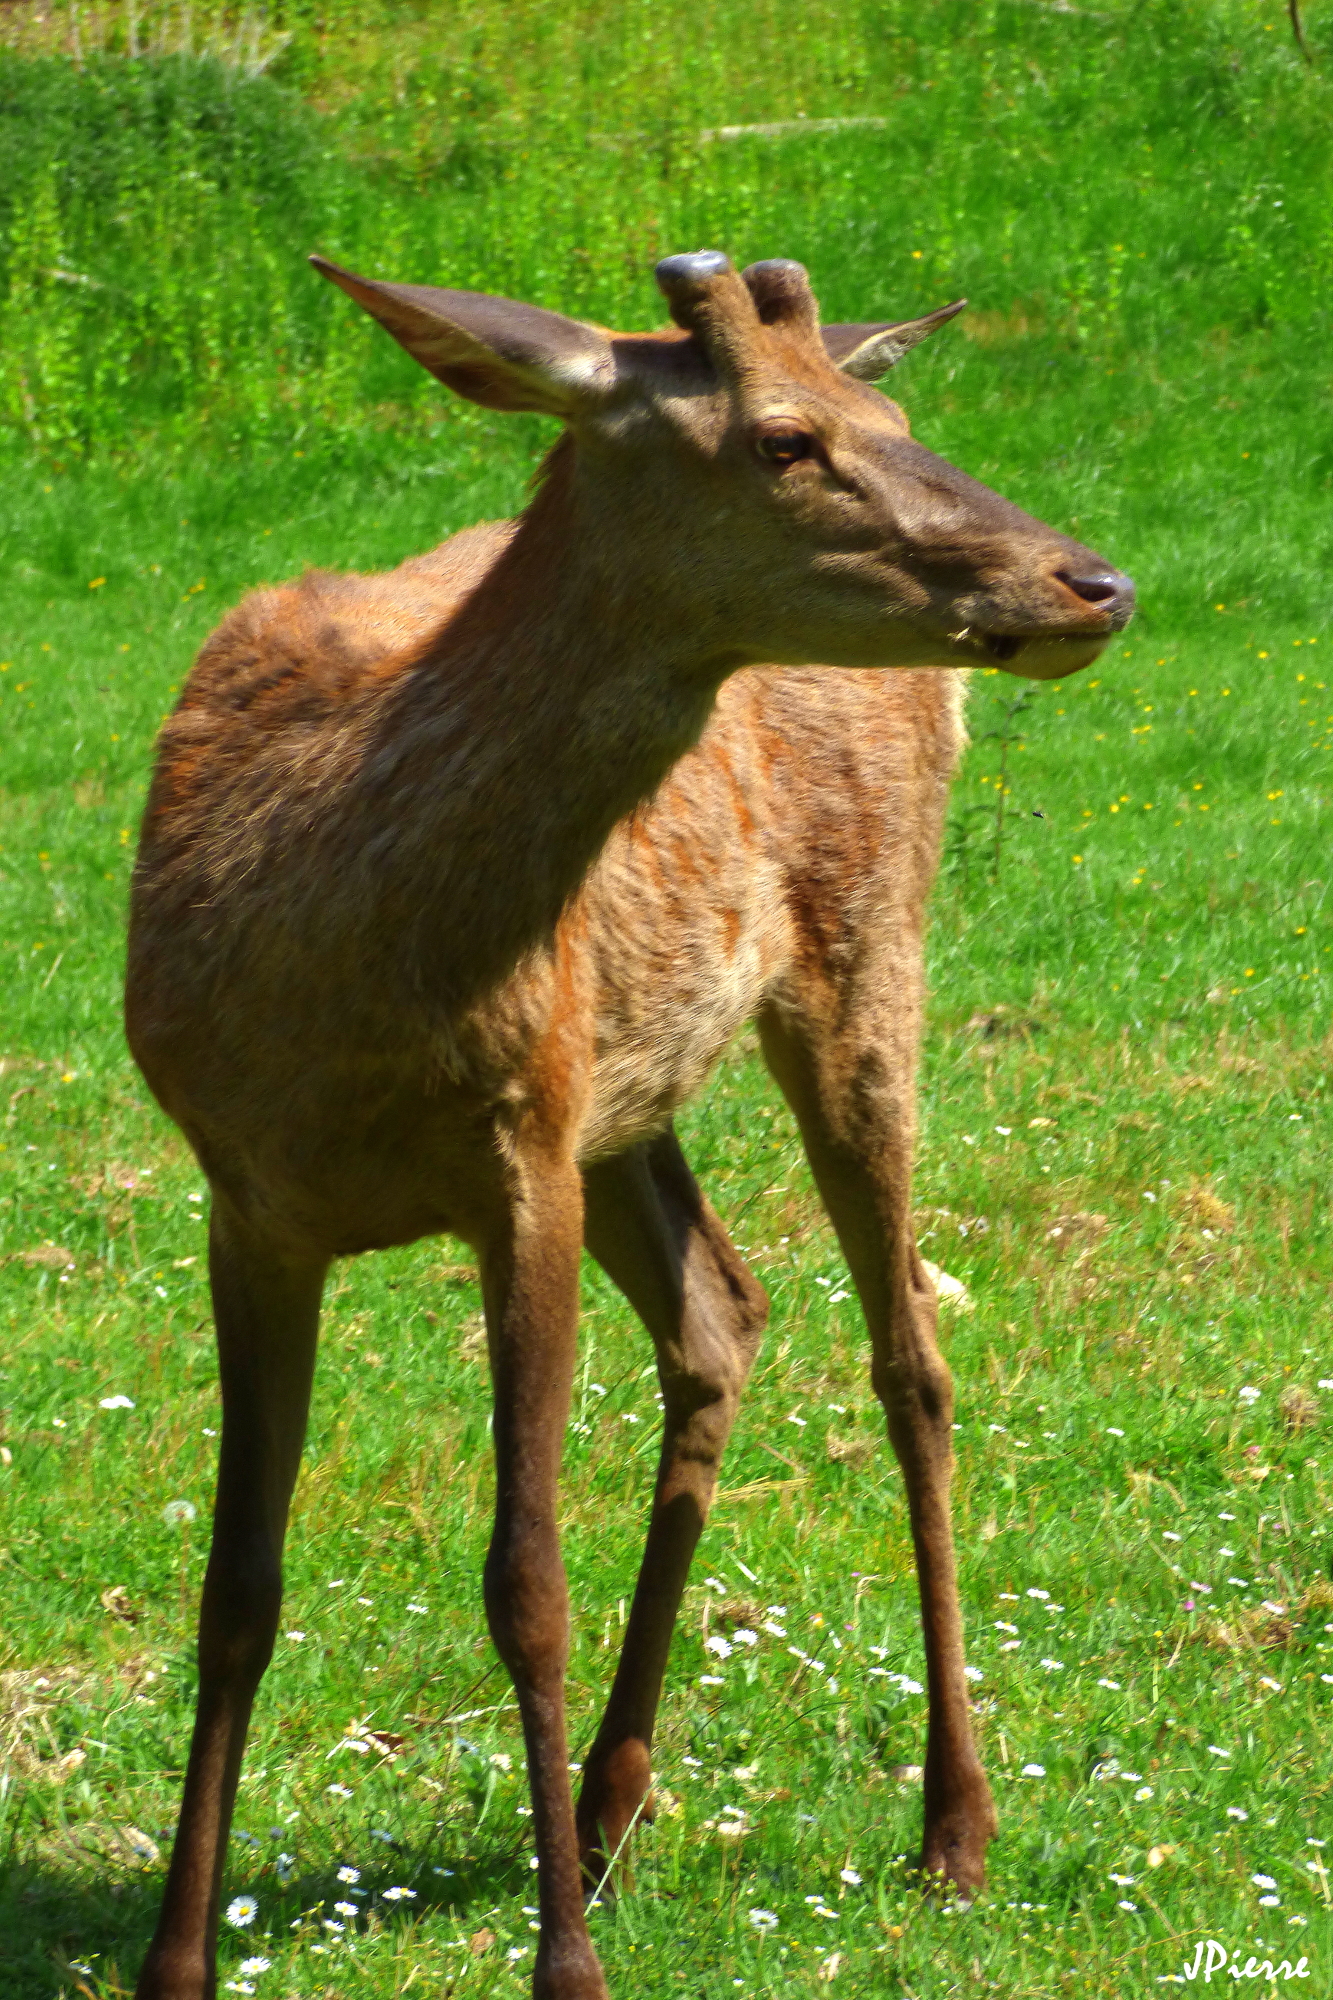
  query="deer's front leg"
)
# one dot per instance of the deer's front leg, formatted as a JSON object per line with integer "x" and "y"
{"x": 267, "y": 1309}
{"x": 853, "y": 1092}
{"x": 530, "y": 1282}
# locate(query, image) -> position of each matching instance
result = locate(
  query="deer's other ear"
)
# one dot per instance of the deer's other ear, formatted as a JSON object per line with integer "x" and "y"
{"x": 867, "y": 352}
{"x": 493, "y": 351}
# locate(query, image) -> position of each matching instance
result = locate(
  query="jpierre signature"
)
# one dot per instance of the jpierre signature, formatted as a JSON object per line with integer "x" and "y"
{"x": 1211, "y": 1957}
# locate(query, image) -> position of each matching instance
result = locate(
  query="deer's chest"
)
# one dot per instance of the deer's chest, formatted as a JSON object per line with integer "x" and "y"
{"x": 676, "y": 969}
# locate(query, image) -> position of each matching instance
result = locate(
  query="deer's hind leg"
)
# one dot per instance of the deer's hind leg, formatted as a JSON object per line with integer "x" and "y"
{"x": 651, "y": 1229}
{"x": 850, "y": 1080}
{"x": 266, "y": 1305}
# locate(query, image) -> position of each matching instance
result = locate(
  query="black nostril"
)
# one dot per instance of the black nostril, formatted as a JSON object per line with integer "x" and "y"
{"x": 1108, "y": 588}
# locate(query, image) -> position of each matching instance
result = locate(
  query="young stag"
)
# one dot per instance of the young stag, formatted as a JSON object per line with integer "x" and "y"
{"x": 381, "y": 979}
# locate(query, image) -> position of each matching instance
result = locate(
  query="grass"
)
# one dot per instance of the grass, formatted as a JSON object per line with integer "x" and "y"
{"x": 153, "y": 213}
{"x": 1125, "y": 1092}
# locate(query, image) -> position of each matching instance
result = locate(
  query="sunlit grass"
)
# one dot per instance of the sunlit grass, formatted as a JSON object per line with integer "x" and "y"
{"x": 1125, "y": 1170}
{"x": 1125, "y": 1087}
{"x": 154, "y": 214}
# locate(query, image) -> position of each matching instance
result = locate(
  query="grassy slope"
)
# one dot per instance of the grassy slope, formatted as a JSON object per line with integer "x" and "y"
{"x": 1173, "y": 981}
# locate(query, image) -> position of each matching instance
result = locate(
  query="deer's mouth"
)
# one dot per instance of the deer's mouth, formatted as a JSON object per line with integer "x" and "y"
{"x": 1047, "y": 656}
{"x": 1002, "y": 647}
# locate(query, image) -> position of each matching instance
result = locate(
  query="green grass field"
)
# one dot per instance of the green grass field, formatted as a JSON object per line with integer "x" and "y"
{"x": 1125, "y": 1089}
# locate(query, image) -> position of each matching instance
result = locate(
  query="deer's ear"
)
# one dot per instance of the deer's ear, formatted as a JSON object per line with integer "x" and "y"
{"x": 493, "y": 351}
{"x": 867, "y": 352}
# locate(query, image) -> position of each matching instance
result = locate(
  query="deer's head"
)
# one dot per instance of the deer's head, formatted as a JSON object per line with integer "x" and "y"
{"x": 741, "y": 470}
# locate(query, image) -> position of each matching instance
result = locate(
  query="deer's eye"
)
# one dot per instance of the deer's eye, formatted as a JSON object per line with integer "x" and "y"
{"x": 784, "y": 447}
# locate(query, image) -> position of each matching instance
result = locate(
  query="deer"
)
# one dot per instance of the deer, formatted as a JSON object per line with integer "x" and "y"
{"x": 455, "y": 882}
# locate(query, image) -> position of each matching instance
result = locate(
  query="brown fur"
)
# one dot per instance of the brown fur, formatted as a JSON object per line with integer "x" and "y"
{"x": 456, "y": 882}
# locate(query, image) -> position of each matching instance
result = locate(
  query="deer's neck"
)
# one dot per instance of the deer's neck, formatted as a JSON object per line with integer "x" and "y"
{"x": 554, "y": 702}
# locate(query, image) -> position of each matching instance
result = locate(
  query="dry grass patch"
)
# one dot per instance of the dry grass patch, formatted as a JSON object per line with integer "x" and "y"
{"x": 1077, "y": 1232}
{"x": 1266, "y": 1627}
{"x": 1203, "y": 1208}
{"x": 32, "y": 1700}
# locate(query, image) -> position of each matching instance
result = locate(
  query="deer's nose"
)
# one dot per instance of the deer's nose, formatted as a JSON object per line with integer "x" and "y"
{"x": 1106, "y": 589}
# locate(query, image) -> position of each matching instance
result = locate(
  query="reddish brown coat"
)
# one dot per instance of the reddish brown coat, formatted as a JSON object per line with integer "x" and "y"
{"x": 454, "y": 883}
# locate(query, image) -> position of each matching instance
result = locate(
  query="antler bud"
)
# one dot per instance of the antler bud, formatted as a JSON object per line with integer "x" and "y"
{"x": 687, "y": 279}
{"x": 707, "y": 299}
{"x": 780, "y": 288}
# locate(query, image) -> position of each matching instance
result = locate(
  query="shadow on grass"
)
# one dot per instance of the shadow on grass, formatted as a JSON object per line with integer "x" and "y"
{"x": 55, "y": 1922}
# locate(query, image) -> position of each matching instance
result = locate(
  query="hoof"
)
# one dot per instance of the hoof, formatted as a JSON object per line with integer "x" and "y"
{"x": 961, "y": 1821}
{"x": 954, "y": 1856}
{"x": 964, "y": 1874}
{"x": 604, "y": 1846}
{"x": 616, "y": 1798}
{"x": 568, "y": 1972}
{"x": 174, "y": 1975}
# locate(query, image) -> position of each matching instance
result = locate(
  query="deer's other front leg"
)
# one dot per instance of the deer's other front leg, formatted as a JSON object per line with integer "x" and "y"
{"x": 655, "y": 1235}
{"x": 853, "y": 1096}
{"x": 530, "y": 1283}
{"x": 267, "y": 1309}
